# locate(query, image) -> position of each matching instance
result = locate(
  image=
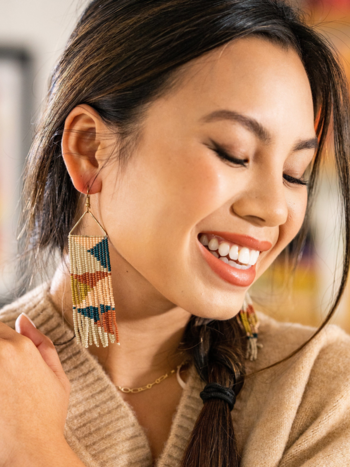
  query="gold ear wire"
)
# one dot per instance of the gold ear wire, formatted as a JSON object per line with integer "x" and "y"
{"x": 87, "y": 211}
{"x": 92, "y": 294}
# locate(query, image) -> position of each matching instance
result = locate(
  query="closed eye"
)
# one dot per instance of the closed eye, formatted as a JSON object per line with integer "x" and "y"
{"x": 296, "y": 181}
{"x": 223, "y": 155}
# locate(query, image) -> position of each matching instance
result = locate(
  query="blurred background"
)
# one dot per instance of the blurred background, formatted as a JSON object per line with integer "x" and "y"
{"x": 32, "y": 36}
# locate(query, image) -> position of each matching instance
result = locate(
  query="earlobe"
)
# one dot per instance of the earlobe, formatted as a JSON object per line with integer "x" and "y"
{"x": 81, "y": 148}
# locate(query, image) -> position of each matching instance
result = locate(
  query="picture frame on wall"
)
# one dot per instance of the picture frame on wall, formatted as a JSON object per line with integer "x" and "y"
{"x": 15, "y": 136}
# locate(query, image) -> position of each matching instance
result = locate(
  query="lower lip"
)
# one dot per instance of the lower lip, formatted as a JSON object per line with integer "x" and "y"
{"x": 240, "y": 277}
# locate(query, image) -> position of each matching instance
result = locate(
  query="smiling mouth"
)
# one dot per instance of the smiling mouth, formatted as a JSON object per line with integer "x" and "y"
{"x": 236, "y": 256}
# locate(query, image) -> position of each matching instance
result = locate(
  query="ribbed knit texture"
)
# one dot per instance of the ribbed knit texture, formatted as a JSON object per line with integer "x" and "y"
{"x": 296, "y": 414}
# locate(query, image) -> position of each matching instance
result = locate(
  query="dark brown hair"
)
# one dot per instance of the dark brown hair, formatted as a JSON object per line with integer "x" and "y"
{"x": 124, "y": 54}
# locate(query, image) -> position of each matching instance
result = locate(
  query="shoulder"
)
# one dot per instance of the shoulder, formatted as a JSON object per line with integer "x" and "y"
{"x": 318, "y": 374}
{"x": 303, "y": 403}
{"x": 33, "y": 303}
{"x": 280, "y": 339}
{"x": 324, "y": 362}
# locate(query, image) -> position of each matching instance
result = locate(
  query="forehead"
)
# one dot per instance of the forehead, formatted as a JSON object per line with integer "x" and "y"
{"x": 252, "y": 76}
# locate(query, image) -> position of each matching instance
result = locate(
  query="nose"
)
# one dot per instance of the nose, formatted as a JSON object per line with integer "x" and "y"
{"x": 264, "y": 202}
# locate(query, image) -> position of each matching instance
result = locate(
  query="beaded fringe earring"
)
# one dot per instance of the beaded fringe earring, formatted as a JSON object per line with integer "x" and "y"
{"x": 249, "y": 322}
{"x": 93, "y": 303}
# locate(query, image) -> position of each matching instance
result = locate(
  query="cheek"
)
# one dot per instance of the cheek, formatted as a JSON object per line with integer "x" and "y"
{"x": 297, "y": 203}
{"x": 160, "y": 198}
{"x": 296, "y": 215}
{"x": 190, "y": 184}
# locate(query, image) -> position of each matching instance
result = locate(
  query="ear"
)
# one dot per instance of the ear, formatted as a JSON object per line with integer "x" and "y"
{"x": 83, "y": 148}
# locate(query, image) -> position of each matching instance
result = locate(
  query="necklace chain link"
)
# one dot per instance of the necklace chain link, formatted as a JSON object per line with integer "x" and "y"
{"x": 127, "y": 390}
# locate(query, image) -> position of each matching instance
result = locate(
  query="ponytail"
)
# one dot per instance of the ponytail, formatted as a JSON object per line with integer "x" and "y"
{"x": 217, "y": 351}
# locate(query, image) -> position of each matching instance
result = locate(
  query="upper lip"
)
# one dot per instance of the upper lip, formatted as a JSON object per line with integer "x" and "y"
{"x": 242, "y": 240}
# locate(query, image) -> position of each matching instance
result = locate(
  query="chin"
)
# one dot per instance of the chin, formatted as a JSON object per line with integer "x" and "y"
{"x": 217, "y": 312}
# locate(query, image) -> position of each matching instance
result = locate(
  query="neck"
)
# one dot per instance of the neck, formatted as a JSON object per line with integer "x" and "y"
{"x": 150, "y": 328}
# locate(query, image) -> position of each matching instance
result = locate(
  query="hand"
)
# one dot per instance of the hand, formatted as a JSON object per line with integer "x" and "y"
{"x": 34, "y": 393}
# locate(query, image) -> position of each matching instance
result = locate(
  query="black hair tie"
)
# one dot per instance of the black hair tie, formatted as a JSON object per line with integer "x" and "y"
{"x": 216, "y": 391}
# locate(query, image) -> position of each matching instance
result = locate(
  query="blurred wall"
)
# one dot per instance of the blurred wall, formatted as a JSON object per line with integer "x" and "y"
{"x": 33, "y": 34}
{"x": 42, "y": 27}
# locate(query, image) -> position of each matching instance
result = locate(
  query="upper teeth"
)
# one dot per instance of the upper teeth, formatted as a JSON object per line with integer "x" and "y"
{"x": 242, "y": 254}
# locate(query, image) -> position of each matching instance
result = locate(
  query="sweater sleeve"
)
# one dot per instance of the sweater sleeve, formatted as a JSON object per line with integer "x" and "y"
{"x": 320, "y": 435}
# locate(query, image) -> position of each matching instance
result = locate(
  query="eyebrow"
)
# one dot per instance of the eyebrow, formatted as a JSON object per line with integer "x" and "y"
{"x": 255, "y": 127}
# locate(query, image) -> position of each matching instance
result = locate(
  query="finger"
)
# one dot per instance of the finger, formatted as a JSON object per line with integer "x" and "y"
{"x": 44, "y": 344}
{"x": 6, "y": 332}
{"x": 17, "y": 323}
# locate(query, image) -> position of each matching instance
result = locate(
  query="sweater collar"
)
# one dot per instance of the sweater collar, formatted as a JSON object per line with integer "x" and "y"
{"x": 100, "y": 424}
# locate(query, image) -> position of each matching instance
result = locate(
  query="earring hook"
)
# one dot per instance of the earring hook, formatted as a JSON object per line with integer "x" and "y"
{"x": 87, "y": 201}
{"x": 87, "y": 211}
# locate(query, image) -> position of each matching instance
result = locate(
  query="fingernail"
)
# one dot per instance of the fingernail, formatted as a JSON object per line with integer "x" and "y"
{"x": 17, "y": 322}
{"x": 29, "y": 319}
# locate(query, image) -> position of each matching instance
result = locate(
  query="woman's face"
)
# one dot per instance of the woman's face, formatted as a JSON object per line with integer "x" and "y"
{"x": 250, "y": 99}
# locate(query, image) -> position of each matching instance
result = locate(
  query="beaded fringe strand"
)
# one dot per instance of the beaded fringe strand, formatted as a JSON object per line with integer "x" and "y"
{"x": 93, "y": 303}
{"x": 249, "y": 322}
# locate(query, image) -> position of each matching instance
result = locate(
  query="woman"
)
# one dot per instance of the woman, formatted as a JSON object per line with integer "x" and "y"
{"x": 197, "y": 130}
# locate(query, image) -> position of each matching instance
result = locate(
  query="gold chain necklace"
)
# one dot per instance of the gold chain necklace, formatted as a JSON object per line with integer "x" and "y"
{"x": 149, "y": 385}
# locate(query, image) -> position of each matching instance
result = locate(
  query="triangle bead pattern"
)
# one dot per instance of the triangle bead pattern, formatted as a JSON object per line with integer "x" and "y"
{"x": 91, "y": 283}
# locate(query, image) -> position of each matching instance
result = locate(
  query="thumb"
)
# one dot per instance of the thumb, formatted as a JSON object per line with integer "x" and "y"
{"x": 25, "y": 326}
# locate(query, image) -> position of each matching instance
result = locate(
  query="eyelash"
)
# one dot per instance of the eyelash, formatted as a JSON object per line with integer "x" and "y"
{"x": 224, "y": 156}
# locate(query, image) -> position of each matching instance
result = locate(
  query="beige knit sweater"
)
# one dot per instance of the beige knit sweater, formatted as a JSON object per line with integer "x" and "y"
{"x": 297, "y": 414}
